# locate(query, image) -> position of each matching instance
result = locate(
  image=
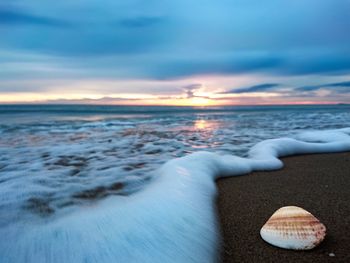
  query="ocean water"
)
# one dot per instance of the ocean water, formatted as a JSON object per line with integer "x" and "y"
{"x": 69, "y": 170}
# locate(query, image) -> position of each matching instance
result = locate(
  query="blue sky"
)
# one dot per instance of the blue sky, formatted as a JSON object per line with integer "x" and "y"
{"x": 175, "y": 52}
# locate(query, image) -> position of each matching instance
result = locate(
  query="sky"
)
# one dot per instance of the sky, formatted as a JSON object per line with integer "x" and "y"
{"x": 162, "y": 52}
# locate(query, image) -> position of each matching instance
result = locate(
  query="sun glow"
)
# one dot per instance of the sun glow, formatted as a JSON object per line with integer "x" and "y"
{"x": 193, "y": 102}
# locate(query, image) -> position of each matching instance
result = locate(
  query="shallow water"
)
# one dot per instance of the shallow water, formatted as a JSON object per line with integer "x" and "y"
{"x": 55, "y": 158}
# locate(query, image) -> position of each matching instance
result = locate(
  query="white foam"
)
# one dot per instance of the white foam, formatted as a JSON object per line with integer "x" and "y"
{"x": 171, "y": 220}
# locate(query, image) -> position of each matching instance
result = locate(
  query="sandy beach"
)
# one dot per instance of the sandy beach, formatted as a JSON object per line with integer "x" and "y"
{"x": 318, "y": 183}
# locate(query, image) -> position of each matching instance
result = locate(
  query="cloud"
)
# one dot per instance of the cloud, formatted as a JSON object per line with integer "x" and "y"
{"x": 141, "y": 21}
{"x": 190, "y": 89}
{"x": 103, "y": 100}
{"x": 223, "y": 64}
{"x": 340, "y": 87}
{"x": 173, "y": 40}
{"x": 339, "y": 84}
{"x": 305, "y": 92}
{"x": 13, "y": 17}
{"x": 256, "y": 88}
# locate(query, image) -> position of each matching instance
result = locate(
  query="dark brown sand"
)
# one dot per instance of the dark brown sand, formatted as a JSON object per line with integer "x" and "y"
{"x": 318, "y": 183}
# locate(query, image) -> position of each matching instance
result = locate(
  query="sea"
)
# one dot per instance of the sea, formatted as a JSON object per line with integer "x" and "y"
{"x": 63, "y": 163}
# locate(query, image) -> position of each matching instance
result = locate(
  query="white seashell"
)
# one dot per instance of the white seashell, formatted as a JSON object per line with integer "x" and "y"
{"x": 292, "y": 227}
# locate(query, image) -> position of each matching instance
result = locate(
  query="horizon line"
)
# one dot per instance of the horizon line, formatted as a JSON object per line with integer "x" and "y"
{"x": 174, "y": 106}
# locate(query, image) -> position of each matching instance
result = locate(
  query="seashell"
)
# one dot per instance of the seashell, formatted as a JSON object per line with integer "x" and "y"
{"x": 292, "y": 227}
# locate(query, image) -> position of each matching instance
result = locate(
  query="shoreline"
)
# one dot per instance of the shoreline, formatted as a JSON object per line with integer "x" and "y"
{"x": 319, "y": 183}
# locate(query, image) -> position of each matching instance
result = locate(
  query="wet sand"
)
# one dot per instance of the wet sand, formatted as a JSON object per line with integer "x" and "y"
{"x": 319, "y": 183}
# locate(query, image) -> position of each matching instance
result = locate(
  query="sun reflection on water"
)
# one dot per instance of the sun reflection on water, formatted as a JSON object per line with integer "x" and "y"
{"x": 204, "y": 136}
{"x": 207, "y": 125}
{"x": 202, "y": 124}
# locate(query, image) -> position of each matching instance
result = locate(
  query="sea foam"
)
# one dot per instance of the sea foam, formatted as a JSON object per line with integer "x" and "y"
{"x": 173, "y": 219}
